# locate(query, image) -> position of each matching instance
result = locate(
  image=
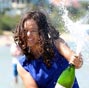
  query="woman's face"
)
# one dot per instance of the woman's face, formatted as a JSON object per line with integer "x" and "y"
{"x": 32, "y": 32}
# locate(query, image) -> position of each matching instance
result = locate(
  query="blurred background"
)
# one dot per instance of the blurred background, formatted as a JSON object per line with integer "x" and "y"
{"x": 10, "y": 14}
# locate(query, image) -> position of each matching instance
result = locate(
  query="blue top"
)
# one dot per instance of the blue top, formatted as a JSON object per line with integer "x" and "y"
{"x": 46, "y": 77}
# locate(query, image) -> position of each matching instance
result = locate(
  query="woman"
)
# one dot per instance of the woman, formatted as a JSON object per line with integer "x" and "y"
{"x": 46, "y": 55}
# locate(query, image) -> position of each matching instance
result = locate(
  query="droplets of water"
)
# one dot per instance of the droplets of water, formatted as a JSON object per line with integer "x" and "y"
{"x": 77, "y": 30}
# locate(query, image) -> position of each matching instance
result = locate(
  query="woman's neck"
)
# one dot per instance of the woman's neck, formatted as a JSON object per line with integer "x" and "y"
{"x": 37, "y": 50}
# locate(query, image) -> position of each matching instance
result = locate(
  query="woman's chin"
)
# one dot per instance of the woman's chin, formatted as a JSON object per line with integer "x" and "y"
{"x": 31, "y": 44}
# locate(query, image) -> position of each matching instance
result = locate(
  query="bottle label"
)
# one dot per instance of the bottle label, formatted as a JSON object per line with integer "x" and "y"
{"x": 59, "y": 86}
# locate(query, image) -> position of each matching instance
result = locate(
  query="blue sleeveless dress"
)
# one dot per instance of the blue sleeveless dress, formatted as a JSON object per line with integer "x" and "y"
{"x": 46, "y": 77}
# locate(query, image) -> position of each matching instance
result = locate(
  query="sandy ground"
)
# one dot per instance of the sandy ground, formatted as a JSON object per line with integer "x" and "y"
{"x": 6, "y": 38}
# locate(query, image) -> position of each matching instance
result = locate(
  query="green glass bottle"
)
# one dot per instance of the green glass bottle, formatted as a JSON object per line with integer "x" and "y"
{"x": 67, "y": 78}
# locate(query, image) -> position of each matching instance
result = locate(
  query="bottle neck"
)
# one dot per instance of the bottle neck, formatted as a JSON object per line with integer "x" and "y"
{"x": 72, "y": 66}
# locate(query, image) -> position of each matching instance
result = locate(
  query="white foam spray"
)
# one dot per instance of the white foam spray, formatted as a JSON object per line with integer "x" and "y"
{"x": 77, "y": 29}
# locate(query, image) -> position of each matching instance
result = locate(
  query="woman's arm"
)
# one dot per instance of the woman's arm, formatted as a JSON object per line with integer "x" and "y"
{"x": 69, "y": 54}
{"x": 26, "y": 77}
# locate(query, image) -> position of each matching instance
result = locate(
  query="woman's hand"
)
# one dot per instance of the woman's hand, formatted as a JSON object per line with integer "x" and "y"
{"x": 76, "y": 60}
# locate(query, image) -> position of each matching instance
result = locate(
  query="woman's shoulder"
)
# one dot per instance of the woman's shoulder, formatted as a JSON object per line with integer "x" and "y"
{"x": 22, "y": 59}
{"x": 60, "y": 44}
{"x": 56, "y": 44}
{"x": 58, "y": 41}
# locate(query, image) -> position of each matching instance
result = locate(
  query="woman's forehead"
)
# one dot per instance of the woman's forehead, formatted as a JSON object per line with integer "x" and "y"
{"x": 30, "y": 23}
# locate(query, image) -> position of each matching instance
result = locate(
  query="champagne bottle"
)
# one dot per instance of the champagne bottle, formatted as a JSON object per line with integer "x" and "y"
{"x": 66, "y": 78}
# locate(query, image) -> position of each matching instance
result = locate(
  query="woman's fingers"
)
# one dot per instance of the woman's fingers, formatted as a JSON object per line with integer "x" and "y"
{"x": 76, "y": 60}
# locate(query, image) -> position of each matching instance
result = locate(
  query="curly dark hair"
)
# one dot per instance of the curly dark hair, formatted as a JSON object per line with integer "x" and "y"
{"x": 46, "y": 30}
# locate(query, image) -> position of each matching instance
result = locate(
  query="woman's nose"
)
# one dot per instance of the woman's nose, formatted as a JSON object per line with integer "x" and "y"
{"x": 28, "y": 33}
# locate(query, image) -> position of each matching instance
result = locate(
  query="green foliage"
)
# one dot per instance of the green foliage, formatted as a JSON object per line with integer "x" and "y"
{"x": 1, "y": 32}
{"x": 4, "y": 26}
{"x": 85, "y": 5}
{"x": 55, "y": 18}
{"x": 7, "y": 22}
{"x": 76, "y": 13}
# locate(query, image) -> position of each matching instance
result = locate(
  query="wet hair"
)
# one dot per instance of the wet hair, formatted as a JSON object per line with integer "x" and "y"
{"x": 46, "y": 30}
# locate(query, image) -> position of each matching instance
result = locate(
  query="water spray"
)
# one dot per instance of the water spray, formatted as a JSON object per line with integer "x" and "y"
{"x": 76, "y": 29}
